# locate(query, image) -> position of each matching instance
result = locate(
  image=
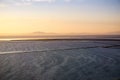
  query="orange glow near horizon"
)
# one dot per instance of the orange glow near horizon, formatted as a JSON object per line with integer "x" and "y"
{"x": 23, "y": 26}
{"x": 59, "y": 19}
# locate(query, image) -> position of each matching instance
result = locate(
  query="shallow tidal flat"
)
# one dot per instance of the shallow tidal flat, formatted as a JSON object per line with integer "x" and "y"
{"x": 60, "y": 60}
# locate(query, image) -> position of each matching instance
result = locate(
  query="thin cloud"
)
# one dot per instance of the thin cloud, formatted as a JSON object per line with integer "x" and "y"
{"x": 2, "y": 5}
{"x": 23, "y": 4}
{"x": 68, "y": 0}
{"x": 49, "y": 1}
{"x": 26, "y": 1}
{"x": 6, "y": 3}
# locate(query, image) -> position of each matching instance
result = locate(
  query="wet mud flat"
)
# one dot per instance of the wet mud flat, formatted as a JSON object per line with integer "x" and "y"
{"x": 93, "y": 61}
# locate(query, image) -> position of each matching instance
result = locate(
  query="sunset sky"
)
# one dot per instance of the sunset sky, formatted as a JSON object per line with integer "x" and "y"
{"x": 19, "y": 17}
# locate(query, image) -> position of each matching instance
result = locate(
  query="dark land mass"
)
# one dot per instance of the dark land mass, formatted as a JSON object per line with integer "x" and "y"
{"x": 68, "y": 40}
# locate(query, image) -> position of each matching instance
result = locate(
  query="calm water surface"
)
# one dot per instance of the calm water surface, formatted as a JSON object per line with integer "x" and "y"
{"x": 59, "y": 60}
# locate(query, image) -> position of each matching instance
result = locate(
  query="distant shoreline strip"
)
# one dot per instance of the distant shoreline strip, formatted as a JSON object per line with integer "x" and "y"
{"x": 68, "y": 40}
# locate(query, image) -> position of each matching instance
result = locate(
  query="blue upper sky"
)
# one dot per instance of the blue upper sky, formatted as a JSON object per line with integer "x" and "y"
{"x": 63, "y": 2}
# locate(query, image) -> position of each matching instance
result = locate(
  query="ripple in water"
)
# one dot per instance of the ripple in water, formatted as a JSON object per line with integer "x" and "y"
{"x": 62, "y": 64}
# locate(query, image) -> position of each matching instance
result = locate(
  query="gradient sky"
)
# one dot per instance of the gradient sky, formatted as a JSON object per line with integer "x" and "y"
{"x": 18, "y": 17}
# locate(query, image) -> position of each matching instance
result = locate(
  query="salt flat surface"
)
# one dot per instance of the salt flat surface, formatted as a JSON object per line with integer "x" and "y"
{"x": 59, "y": 60}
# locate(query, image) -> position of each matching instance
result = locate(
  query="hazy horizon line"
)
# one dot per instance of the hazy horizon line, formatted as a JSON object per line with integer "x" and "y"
{"x": 62, "y": 36}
